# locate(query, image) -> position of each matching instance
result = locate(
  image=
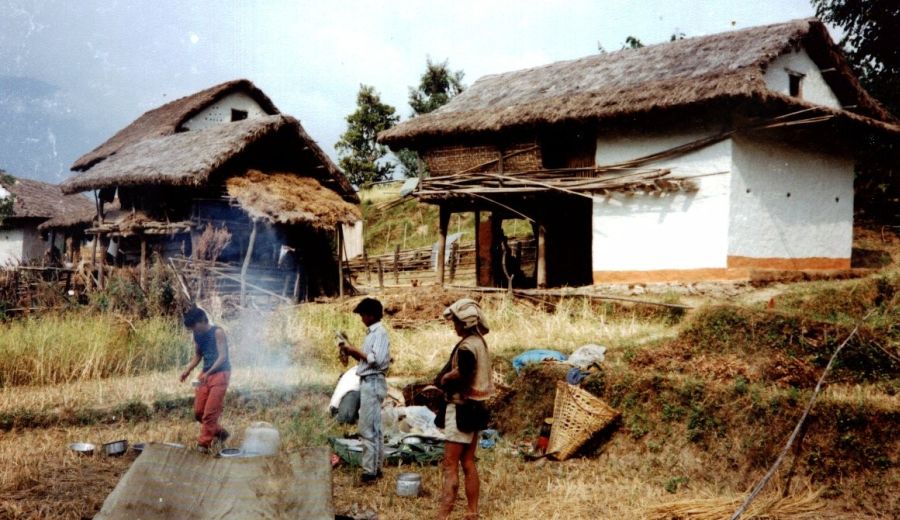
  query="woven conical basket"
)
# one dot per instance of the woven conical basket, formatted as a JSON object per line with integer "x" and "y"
{"x": 577, "y": 416}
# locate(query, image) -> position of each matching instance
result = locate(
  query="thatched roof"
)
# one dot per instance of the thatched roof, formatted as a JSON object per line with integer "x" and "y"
{"x": 192, "y": 158}
{"x": 169, "y": 118}
{"x": 42, "y": 200}
{"x": 726, "y": 67}
{"x": 287, "y": 198}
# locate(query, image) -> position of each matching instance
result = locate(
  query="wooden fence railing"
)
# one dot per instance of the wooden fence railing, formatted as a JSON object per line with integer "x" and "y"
{"x": 413, "y": 266}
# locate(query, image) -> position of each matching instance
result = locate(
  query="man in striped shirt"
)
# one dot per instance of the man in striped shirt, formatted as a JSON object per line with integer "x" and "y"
{"x": 374, "y": 360}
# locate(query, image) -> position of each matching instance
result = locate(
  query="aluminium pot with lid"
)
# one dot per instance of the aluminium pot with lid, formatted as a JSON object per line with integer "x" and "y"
{"x": 409, "y": 484}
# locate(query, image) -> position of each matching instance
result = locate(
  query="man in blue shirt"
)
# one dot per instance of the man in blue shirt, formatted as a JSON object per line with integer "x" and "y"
{"x": 374, "y": 359}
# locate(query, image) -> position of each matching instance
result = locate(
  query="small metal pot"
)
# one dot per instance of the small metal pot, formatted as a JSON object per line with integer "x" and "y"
{"x": 229, "y": 453}
{"x": 82, "y": 448}
{"x": 139, "y": 447}
{"x": 409, "y": 484}
{"x": 115, "y": 448}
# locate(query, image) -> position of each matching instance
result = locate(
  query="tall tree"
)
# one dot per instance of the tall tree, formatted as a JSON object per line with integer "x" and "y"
{"x": 361, "y": 156}
{"x": 437, "y": 86}
{"x": 7, "y": 200}
{"x": 632, "y": 42}
{"x": 871, "y": 43}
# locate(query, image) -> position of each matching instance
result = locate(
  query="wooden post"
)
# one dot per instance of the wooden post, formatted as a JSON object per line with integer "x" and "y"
{"x": 297, "y": 280}
{"x": 454, "y": 254}
{"x": 477, "y": 242}
{"x": 70, "y": 248}
{"x": 366, "y": 266}
{"x": 397, "y": 264}
{"x": 246, "y": 264}
{"x": 101, "y": 266}
{"x": 380, "y": 274}
{"x": 143, "y": 262}
{"x": 444, "y": 221}
{"x": 340, "y": 253}
{"x": 541, "y": 256}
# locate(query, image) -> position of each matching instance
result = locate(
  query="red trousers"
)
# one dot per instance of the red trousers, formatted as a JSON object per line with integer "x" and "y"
{"x": 208, "y": 401}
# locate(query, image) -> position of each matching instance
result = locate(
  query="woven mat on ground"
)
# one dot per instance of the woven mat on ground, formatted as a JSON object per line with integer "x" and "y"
{"x": 166, "y": 482}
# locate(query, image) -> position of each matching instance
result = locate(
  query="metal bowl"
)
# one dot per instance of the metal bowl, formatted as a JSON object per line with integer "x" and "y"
{"x": 82, "y": 448}
{"x": 115, "y": 448}
{"x": 227, "y": 453}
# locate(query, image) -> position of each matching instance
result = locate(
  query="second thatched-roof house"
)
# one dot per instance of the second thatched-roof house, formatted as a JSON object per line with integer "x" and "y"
{"x": 223, "y": 158}
{"x": 703, "y": 158}
{"x": 32, "y": 206}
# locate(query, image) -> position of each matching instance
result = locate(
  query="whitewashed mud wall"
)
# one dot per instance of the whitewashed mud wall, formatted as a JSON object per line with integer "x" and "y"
{"x": 790, "y": 203}
{"x": 11, "y": 240}
{"x": 220, "y": 111}
{"x": 671, "y": 231}
{"x": 814, "y": 88}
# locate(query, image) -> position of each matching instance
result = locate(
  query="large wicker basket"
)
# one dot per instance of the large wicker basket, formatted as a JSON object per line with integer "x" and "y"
{"x": 577, "y": 416}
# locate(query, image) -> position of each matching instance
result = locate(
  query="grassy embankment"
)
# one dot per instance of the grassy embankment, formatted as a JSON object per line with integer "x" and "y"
{"x": 706, "y": 404}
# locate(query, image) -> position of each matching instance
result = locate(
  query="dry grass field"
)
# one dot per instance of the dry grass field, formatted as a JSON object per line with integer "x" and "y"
{"x": 707, "y": 400}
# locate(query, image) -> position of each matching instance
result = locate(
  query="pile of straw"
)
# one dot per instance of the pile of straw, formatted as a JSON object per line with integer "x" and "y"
{"x": 770, "y": 507}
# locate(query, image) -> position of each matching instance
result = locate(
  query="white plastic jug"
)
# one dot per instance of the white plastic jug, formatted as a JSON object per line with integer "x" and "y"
{"x": 261, "y": 438}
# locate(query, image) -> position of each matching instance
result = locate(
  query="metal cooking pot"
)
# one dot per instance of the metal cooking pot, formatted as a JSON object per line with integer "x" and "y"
{"x": 82, "y": 448}
{"x": 409, "y": 484}
{"x": 228, "y": 453}
{"x": 139, "y": 447}
{"x": 115, "y": 448}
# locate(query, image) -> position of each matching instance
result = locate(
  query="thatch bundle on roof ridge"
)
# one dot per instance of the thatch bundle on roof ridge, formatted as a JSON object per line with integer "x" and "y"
{"x": 286, "y": 198}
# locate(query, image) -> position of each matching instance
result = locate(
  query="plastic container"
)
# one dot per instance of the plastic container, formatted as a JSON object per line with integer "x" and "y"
{"x": 261, "y": 438}
{"x": 409, "y": 484}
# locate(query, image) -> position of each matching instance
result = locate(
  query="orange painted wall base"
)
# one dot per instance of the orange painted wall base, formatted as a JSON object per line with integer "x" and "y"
{"x": 739, "y": 268}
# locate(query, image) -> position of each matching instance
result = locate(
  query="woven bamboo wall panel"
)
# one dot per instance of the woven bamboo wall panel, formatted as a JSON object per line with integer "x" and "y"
{"x": 447, "y": 160}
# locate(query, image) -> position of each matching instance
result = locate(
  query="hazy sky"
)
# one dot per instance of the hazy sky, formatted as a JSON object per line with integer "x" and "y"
{"x": 93, "y": 66}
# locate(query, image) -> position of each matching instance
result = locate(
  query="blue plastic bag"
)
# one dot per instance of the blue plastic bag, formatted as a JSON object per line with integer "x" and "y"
{"x": 531, "y": 357}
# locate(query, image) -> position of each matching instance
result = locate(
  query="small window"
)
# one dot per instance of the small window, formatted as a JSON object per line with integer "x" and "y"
{"x": 795, "y": 84}
{"x": 238, "y": 115}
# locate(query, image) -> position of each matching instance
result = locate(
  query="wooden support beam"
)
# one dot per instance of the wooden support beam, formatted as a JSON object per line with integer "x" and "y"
{"x": 443, "y": 223}
{"x": 380, "y": 274}
{"x": 143, "y": 262}
{"x": 102, "y": 263}
{"x": 454, "y": 258}
{"x": 397, "y": 264}
{"x": 297, "y": 282}
{"x": 246, "y": 264}
{"x": 541, "y": 256}
{"x": 366, "y": 266}
{"x": 477, "y": 238}
{"x": 340, "y": 258}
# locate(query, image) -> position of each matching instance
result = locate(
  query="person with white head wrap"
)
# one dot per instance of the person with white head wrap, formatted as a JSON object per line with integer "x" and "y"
{"x": 466, "y": 382}
{"x": 467, "y": 311}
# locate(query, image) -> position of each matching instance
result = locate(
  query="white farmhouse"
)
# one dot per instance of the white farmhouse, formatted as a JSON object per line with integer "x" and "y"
{"x": 700, "y": 159}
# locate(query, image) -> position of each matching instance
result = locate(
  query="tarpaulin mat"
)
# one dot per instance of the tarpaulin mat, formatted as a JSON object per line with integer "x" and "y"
{"x": 167, "y": 482}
